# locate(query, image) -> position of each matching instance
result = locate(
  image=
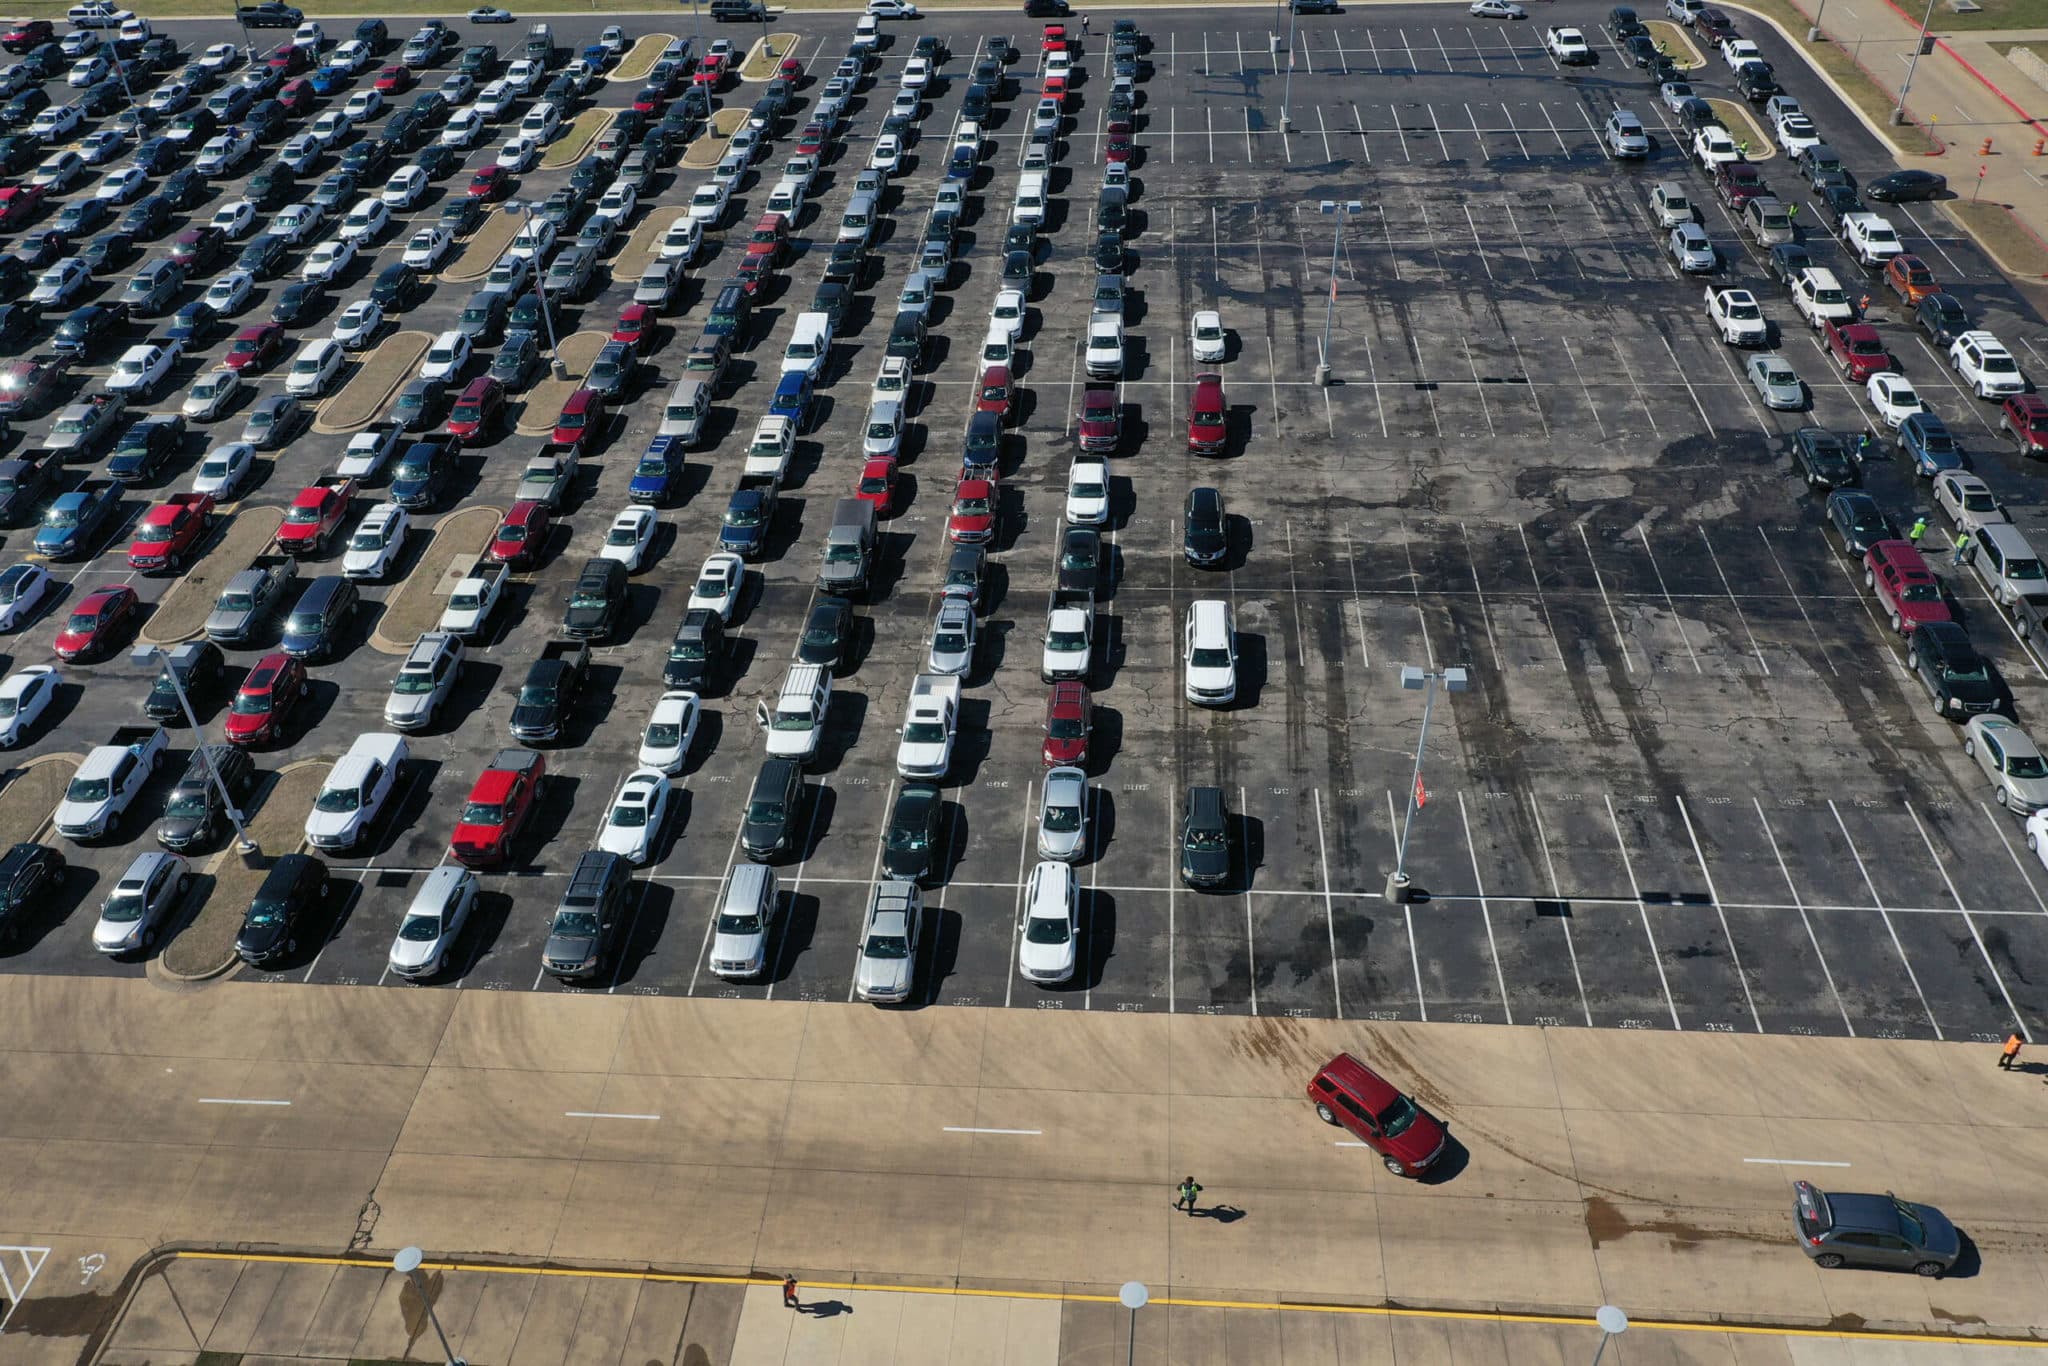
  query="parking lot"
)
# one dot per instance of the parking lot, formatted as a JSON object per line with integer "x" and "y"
{"x": 1691, "y": 786}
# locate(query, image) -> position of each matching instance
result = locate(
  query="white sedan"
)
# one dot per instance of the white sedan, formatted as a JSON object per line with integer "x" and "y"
{"x": 632, "y": 532}
{"x": 24, "y": 696}
{"x": 22, "y": 590}
{"x": 122, "y": 184}
{"x": 329, "y": 128}
{"x": 665, "y": 744}
{"x": 358, "y": 324}
{"x": 220, "y": 57}
{"x": 1967, "y": 501}
{"x": 518, "y": 154}
{"x": 224, "y": 469}
{"x": 1205, "y": 335}
{"x": 234, "y": 218}
{"x": 329, "y": 260}
{"x": 426, "y": 248}
{"x": 633, "y": 821}
{"x": 1007, "y": 315}
{"x": 1894, "y": 397}
{"x": 888, "y": 154}
{"x": 718, "y": 585}
{"x": 364, "y": 104}
{"x": 230, "y": 294}
{"x": 212, "y": 394}
{"x": 1496, "y": 9}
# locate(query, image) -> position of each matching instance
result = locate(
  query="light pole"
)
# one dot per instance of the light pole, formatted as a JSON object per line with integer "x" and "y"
{"x": 1899, "y": 109}
{"x": 1287, "y": 83}
{"x": 1613, "y": 1323}
{"x": 149, "y": 654}
{"x": 540, "y": 289}
{"x": 408, "y": 1262}
{"x": 1134, "y": 1296}
{"x": 1340, "y": 209}
{"x": 1813, "y": 30}
{"x": 1426, "y": 681}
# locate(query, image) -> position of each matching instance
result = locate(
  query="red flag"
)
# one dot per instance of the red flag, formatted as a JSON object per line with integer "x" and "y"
{"x": 1421, "y": 793}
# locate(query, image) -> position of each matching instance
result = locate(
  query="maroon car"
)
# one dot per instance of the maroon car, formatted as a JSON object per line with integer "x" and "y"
{"x": 1347, "y": 1093}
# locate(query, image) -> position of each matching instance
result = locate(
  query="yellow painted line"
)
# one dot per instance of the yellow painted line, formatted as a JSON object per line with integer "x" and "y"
{"x": 1289, "y": 1306}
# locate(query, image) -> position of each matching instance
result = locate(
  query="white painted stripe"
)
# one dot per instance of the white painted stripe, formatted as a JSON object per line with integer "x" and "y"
{"x": 1346, "y": 1143}
{"x": 1789, "y": 1162}
{"x": 602, "y": 1114}
{"x": 234, "y": 1100}
{"x": 954, "y": 1129}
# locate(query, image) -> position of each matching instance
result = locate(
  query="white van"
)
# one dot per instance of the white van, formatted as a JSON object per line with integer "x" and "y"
{"x": 809, "y": 345}
{"x": 1030, "y": 207}
{"x": 1211, "y": 654}
{"x": 2010, "y": 568}
{"x": 798, "y": 720}
{"x": 746, "y": 912}
{"x": 683, "y": 415}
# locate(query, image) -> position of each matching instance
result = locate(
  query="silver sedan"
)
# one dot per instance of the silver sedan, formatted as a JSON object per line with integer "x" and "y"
{"x": 2010, "y": 759}
{"x": 1776, "y": 382}
{"x": 1063, "y": 815}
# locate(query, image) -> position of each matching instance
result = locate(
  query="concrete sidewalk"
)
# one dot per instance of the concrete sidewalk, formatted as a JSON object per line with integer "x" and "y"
{"x": 249, "y": 1312}
{"x": 1963, "y": 92}
{"x": 1022, "y": 1153}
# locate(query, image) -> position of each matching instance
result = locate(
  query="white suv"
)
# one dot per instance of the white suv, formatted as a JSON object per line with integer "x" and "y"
{"x": 1985, "y": 365}
{"x": 1210, "y": 657}
{"x": 1738, "y": 318}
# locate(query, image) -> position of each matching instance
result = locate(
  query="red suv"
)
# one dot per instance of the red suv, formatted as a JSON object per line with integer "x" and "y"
{"x": 1101, "y": 418}
{"x": 1904, "y": 585}
{"x": 2024, "y": 418}
{"x": 1858, "y": 349}
{"x": 520, "y": 538}
{"x": 582, "y": 418}
{"x": 1205, "y": 415}
{"x": 770, "y": 238}
{"x": 266, "y": 698}
{"x": 481, "y": 404}
{"x": 1408, "y": 1138}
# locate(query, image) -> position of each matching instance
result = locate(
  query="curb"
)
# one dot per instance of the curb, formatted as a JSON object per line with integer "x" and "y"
{"x": 482, "y": 248}
{"x": 546, "y": 396}
{"x": 449, "y": 527}
{"x": 576, "y": 139}
{"x": 190, "y": 579}
{"x": 1798, "y": 44}
{"x": 49, "y": 816}
{"x": 712, "y": 141}
{"x": 394, "y": 345}
{"x": 755, "y": 53}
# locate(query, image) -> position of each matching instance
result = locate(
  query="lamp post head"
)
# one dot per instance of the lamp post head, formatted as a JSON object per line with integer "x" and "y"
{"x": 1455, "y": 679}
{"x": 1412, "y": 678}
{"x": 1134, "y": 1295}
{"x": 407, "y": 1260}
{"x": 1610, "y": 1319}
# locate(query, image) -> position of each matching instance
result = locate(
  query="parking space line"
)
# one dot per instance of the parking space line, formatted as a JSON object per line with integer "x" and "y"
{"x": 1811, "y": 938}
{"x": 1437, "y": 34}
{"x": 1562, "y": 145}
{"x": 1542, "y": 602}
{"x": 704, "y": 949}
{"x": 1685, "y": 379}
{"x": 1485, "y": 616}
{"x": 1798, "y": 601}
{"x": 1564, "y": 918}
{"x": 1357, "y": 601}
{"x": 1714, "y": 895}
{"x": 1932, "y": 240}
{"x": 874, "y": 880}
{"x": 1600, "y": 582}
{"x": 1017, "y": 906}
{"x": 1479, "y": 247}
{"x": 1479, "y": 387}
{"x": 1272, "y": 365}
{"x": 1642, "y": 910}
{"x": 1878, "y": 902}
{"x": 1564, "y": 345}
{"x": 1294, "y": 592}
{"x": 2012, "y": 1012}
{"x": 1729, "y": 589}
{"x": 1209, "y": 119}
{"x": 1478, "y": 55}
{"x": 1237, "y": 40}
{"x": 1521, "y": 241}
{"x": 1329, "y": 903}
{"x": 1477, "y": 136}
{"x": 1670, "y": 606}
{"x": 1438, "y": 128}
{"x": 1622, "y": 358}
{"x": 1251, "y": 947}
{"x": 632, "y": 925}
{"x": 1324, "y": 128}
{"x": 1393, "y": 253}
{"x": 1485, "y": 911}
{"x": 2018, "y": 864}
{"x": 1970, "y": 404}
{"x": 1407, "y": 913}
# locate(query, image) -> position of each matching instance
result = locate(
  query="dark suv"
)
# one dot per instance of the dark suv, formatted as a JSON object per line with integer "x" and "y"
{"x": 1961, "y": 681}
{"x": 589, "y": 918}
{"x": 291, "y": 891}
{"x": 768, "y": 826}
{"x": 1205, "y": 840}
{"x": 194, "y": 814}
{"x": 1873, "y": 1230}
{"x": 28, "y": 872}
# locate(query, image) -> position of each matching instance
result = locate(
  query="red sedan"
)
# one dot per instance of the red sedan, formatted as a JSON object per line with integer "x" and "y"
{"x": 393, "y": 80}
{"x": 96, "y": 623}
{"x": 522, "y": 535}
{"x": 1119, "y": 148}
{"x": 1206, "y": 426}
{"x": 994, "y": 392}
{"x": 1055, "y": 39}
{"x": 811, "y": 142}
{"x": 490, "y": 182}
{"x": 972, "y": 520}
{"x": 1068, "y": 718}
{"x": 636, "y": 327}
{"x": 877, "y": 484}
{"x": 254, "y": 347}
{"x": 266, "y": 699}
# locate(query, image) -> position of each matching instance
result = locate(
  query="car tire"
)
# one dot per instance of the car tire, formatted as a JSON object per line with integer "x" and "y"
{"x": 1870, "y": 578}
{"x": 2003, "y": 798}
{"x": 1393, "y": 1164}
{"x": 1941, "y": 708}
{"x": 1898, "y": 624}
{"x": 1928, "y": 1269}
{"x": 1832, "y": 1261}
{"x": 2033, "y": 841}
{"x": 1325, "y": 1114}
{"x": 1970, "y": 747}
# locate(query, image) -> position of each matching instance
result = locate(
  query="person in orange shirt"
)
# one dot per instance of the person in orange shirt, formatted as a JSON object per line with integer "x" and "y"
{"x": 2009, "y": 1054}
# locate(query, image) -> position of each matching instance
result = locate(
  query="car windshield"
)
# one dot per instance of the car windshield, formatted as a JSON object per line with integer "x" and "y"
{"x": 303, "y": 515}
{"x": 575, "y": 923}
{"x": 1042, "y": 929}
{"x": 1062, "y": 819}
{"x": 886, "y": 946}
{"x": 1910, "y": 1227}
{"x": 924, "y": 732}
{"x": 731, "y": 923}
{"x": 2024, "y": 569}
{"x": 420, "y": 929}
{"x": 483, "y": 813}
{"x": 251, "y": 704}
{"x": 2026, "y": 766}
{"x": 1396, "y": 1119}
{"x": 1065, "y": 640}
{"x": 1964, "y": 671}
{"x": 629, "y": 815}
{"x": 124, "y": 907}
{"x": 338, "y": 801}
{"x": 1999, "y": 365}
{"x": 907, "y": 837}
{"x": 764, "y": 811}
{"x": 87, "y": 790}
{"x": 1210, "y": 657}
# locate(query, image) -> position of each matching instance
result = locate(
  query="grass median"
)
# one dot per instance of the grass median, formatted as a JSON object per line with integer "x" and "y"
{"x": 182, "y": 611}
{"x": 32, "y": 793}
{"x": 1736, "y": 116}
{"x": 640, "y": 60}
{"x": 205, "y": 946}
{"x": 482, "y": 248}
{"x": 416, "y": 607}
{"x": 707, "y": 149}
{"x": 575, "y": 138}
{"x": 766, "y": 55}
{"x": 639, "y": 251}
{"x": 376, "y": 379}
{"x": 2000, "y": 232}
{"x": 1670, "y": 38}
{"x": 544, "y": 400}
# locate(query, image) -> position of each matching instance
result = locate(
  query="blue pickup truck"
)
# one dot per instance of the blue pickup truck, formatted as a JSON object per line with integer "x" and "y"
{"x": 76, "y": 521}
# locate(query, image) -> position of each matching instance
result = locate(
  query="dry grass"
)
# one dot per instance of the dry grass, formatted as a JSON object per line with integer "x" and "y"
{"x": 2001, "y": 233}
{"x": 766, "y": 55}
{"x": 415, "y": 608}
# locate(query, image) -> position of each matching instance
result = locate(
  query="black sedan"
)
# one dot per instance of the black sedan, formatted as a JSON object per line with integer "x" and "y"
{"x": 1902, "y": 186}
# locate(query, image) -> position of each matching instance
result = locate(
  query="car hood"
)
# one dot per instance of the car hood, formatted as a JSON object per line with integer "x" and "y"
{"x": 235, "y": 724}
{"x": 884, "y": 976}
{"x": 1207, "y": 541}
{"x": 1210, "y": 678}
{"x": 1206, "y": 865}
{"x": 1045, "y": 958}
{"x": 406, "y": 707}
{"x": 331, "y": 824}
{"x": 537, "y": 715}
{"x": 179, "y": 831}
{"x": 1942, "y": 1238}
{"x": 227, "y": 621}
{"x": 1419, "y": 1142}
{"x": 573, "y": 949}
{"x": 116, "y": 934}
{"x": 262, "y": 941}
{"x": 1060, "y": 844}
{"x": 70, "y": 813}
{"x": 762, "y": 834}
{"x": 739, "y": 948}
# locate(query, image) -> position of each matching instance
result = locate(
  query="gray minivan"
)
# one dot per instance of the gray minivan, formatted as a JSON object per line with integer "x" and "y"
{"x": 590, "y": 917}
{"x": 314, "y": 627}
{"x": 1767, "y": 221}
{"x": 2008, "y": 565}
{"x": 857, "y": 224}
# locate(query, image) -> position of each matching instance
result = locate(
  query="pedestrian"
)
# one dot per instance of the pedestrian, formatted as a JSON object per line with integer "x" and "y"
{"x": 1743, "y": 148}
{"x": 1962, "y": 546}
{"x": 1084, "y": 23}
{"x": 2009, "y": 1054}
{"x": 1863, "y": 448}
{"x": 1863, "y": 304}
{"x": 1918, "y": 530}
{"x": 1188, "y": 1191}
{"x": 789, "y": 1298}
{"x": 1792, "y": 212}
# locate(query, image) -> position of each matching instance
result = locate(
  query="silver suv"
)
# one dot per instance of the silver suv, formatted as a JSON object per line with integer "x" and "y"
{"x": 887, "y": 970}
{"x": 1873, "y": 1230}
{"x": 424, "y": 681}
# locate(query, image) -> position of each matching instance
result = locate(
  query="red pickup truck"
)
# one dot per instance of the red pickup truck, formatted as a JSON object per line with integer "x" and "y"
{"x": 170, "y": 532}
{"x": 1859, "y": 350}
{"x": 315, "y": 516}
{"x": 499, "y": 806}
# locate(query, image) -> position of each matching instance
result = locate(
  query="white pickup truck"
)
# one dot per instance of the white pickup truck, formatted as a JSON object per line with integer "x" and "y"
{"x": 474, "y": 598}
{"x": 1568, "y": 46}
{"x": 1870, "y": 239}
{"x": 108, "y": 781}
{"x": 929, "y": 723}
{"x": 768, "y": 453}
